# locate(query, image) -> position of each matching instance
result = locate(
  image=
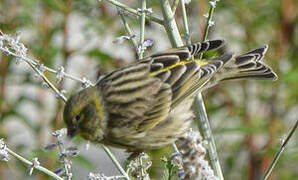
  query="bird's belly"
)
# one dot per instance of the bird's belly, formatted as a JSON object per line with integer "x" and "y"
{"x": 163, "y": 134}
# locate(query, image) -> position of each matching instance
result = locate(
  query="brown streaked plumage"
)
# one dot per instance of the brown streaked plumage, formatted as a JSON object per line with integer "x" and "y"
{"x": 147, "y": 104}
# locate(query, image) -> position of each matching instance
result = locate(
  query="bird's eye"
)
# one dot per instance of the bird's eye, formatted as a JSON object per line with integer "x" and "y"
{"x": 78, "y": 117}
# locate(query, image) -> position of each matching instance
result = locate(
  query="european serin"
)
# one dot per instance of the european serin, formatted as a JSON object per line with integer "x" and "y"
{"x": 147, "y": 104}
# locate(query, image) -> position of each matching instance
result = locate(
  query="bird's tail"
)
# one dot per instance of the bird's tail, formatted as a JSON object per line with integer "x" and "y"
{"x": 246, "y": 66}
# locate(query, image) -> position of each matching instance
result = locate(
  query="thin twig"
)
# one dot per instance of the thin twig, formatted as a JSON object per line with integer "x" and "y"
{"x": 119, "y": 167}
{"x": 135, "y": 12}
{"x": 32, "y": 64}
{"x": 142, "y": 29}
{"x": 35, "y": 63}
{"x": 185, "y": 23}
{"x": 175, "y": 148}
{"x": 40, "y": 168}
{"x": 281, "y": 149}
{"x": 128, "y": 30}
{"x": 209, "y": 18}
{"x": 203, "y": 122}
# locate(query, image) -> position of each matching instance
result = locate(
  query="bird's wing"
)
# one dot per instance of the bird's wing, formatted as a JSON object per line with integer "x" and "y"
{"x": 141, "y": 95}
{"x": 181, "y": 72}
{"x": 132, "y": 96}
{"x": 181, "y": 75}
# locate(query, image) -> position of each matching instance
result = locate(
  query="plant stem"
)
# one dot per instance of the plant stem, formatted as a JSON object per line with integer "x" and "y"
{"x": 203, "y": 122}
{"x": 278, "y": 154}
{"x": 174, "y": 7}
{"x": 204, "y": 126}
{"x": 113, "y": 158}
{"x": 32, "y": 62}
{"x": 142, "y": 29}
{"x": 135, "y": 12}
{"x": 33, "y": 65}
{"x": 40, "y": 168}
{"x": 48, "y": 82}
{"x": 185, "y": 23}
{"x": 170, "y": 24}
{"x": 128, "y": 30}
{"x": 206, "y": 31}
{"x": 174, "y": 146}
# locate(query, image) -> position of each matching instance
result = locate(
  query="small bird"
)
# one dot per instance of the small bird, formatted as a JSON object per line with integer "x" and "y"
{"x": 147, "y": 104}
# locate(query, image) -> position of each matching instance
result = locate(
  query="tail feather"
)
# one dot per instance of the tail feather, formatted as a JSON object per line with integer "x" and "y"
{"x": 243, "y": 59}
{"x": 246, "y": 66}
{"x": 258, "y": 52}
{"x": 265, "y": 76}
{"x": 250, "y": 65}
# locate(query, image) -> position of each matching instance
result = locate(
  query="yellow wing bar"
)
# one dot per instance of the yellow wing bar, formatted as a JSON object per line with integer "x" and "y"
{"x": 200, "y": 62}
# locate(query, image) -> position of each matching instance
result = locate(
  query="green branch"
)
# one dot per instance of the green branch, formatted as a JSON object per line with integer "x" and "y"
{"x": 170, "y": 24}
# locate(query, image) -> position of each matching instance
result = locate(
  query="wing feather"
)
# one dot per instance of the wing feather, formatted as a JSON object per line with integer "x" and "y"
{"x": 141, "y": 95}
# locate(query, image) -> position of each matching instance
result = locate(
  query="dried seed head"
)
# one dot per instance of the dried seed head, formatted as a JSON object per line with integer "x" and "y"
{"x": 193, "y": 154}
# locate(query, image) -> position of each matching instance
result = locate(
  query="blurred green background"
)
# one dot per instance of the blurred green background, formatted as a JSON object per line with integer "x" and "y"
{"x": 249, "y": 119}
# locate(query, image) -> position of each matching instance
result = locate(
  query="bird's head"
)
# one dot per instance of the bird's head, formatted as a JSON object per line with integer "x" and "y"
{"x": 84, "y": 115}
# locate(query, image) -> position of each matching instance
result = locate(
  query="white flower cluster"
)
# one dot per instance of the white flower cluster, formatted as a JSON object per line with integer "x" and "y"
{"x": 178, "y": 162}
{"x": 3, "y": 151}
{"x": 147, "y": 43}
{"x": 138, "y": 167}
{"x": 11, "y": 45}
{"x": 193, "y": 153}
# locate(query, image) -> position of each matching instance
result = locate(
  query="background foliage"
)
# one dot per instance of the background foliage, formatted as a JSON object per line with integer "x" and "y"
{"x": 249, "y": 119}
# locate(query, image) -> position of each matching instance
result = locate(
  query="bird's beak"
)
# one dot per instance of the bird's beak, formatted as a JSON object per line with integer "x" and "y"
{"x": 71, "y": 132}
